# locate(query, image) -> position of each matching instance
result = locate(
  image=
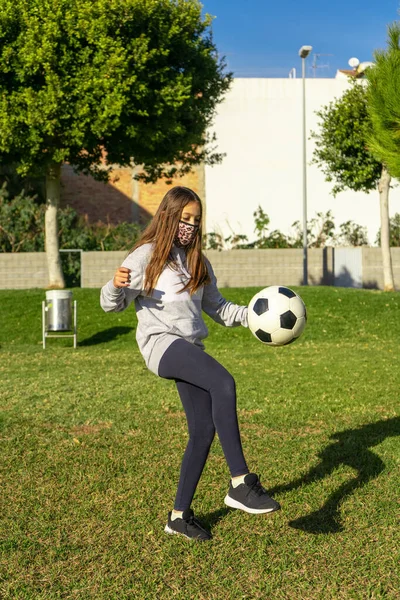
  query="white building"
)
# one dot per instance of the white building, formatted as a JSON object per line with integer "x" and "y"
{"x": 259, "y": 127}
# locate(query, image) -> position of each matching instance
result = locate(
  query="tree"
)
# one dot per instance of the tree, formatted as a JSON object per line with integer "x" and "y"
{"x": 322, "y": 231}
{"x": 266, "y": 239}
{"x": 342, "y": 152}
{"x": 384, "y": 113}
{"x": 352, "y": 234}
{"x": 384, "y": 102}
{"x": 103, "y": 82}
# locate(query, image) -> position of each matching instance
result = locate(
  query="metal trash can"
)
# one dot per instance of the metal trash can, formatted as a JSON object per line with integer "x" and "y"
{"x": 57, "y": 314}
{"x": 58, "y": 310}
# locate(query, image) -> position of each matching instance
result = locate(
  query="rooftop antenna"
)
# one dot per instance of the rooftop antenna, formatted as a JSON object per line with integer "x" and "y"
{"x": 316, "y": 66}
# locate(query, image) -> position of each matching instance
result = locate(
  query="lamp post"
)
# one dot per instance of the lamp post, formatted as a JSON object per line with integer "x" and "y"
{"x": 303, "y": 53}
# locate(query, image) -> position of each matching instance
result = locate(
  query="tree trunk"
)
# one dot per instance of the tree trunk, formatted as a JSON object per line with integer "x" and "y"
{"x": 383, "y": 188}
{"x": 56, "y": 277}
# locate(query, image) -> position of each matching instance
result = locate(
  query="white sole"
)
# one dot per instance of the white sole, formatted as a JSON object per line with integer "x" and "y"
{"x": 168, "y": 529}
{"x": 254, "y": 511}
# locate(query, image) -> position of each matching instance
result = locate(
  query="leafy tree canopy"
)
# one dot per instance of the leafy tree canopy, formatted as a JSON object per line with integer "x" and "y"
{"x": 384, "y": 102}
{"x": 341, "y": 143}
{"x": 131, "y": 80}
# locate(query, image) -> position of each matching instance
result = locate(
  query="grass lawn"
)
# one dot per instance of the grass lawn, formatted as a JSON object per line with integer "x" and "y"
{"x": 91, "y": 444}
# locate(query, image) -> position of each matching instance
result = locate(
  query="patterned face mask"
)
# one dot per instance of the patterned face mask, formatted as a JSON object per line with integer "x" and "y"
{"x": 186, "y": 234}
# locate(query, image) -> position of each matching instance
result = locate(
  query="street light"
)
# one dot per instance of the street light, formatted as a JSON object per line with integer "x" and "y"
{"x": 303, "y": 53}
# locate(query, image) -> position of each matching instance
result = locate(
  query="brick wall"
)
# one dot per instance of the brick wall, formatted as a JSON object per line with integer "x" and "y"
{"x": 150, "y": 195}
{"x": 107, "y": 202}
{"x": 123, "y": 198}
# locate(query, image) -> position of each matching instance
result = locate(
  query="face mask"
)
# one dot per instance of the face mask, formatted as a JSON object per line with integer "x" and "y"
{"x": 186, "y": 234}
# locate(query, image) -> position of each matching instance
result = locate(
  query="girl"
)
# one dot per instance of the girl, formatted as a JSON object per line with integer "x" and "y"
{"x": 171, "y": 282}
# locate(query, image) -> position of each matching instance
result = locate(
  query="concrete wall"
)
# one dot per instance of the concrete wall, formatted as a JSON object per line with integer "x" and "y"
{"x": 99, "y": 267}
{"x": 259, "y": 128}
{"x": 233, "y": 268}
{"x": 23, "y": 270}
{"x": 248, "y": 268}
{"x": 372, "y": 267}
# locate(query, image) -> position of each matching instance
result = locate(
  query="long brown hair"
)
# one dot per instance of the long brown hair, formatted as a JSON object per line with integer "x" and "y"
{"x": 162, "y": 231}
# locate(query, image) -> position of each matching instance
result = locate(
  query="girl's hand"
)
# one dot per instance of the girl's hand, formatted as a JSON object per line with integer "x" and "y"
{"x": 122, "y": 277}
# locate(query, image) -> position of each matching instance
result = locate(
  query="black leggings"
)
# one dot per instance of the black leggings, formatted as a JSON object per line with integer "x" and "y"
{"x": 208, "y": 395}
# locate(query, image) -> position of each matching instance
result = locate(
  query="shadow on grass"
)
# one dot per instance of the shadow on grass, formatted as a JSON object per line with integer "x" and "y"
{"x": 105, "y": 336}
{"x": 212, "y": 518}
{"x": 351, "y": 448}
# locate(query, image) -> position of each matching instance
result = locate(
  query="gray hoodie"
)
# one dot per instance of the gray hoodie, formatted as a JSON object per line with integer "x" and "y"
{"x": 166, "y": 315}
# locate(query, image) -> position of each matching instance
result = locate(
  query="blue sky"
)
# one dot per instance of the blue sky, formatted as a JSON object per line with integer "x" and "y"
{"x": 261, "y": 38}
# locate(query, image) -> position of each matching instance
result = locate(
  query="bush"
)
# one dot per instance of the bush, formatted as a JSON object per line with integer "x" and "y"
{"x": 320, "y": 233}
{"x": 22, "y": 230}
{"x": 394, "y": 236}
{"x": 352, "y": 234}
{"x": 21, "y": 222}
{"x": 76, "y": 232}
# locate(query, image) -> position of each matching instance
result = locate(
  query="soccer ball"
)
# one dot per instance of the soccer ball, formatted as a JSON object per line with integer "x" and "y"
{"x": 277, "y": 316}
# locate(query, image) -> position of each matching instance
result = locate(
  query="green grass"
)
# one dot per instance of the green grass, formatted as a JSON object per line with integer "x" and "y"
{"x": 91, "y": 444}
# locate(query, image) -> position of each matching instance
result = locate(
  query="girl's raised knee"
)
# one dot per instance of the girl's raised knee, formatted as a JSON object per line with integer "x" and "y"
{"x": 226, "y": 386}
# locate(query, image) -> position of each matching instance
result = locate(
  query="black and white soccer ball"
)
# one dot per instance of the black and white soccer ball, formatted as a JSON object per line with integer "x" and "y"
{"x": 277, "y": 316}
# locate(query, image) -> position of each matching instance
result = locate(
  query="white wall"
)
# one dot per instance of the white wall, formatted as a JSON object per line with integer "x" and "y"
{"x": 259, "y": 127}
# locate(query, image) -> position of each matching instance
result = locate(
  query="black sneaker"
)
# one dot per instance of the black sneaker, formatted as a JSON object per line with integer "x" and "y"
{"x": 251, "y": 497}
{"x": 188, "y": 526}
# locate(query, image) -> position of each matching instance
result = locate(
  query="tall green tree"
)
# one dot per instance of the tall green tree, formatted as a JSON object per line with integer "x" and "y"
{"x": 384, "y": 102}
{"x": 102, "y": 82}
{"x": 342, "y": 152}
{"x": 384, "y": 113}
